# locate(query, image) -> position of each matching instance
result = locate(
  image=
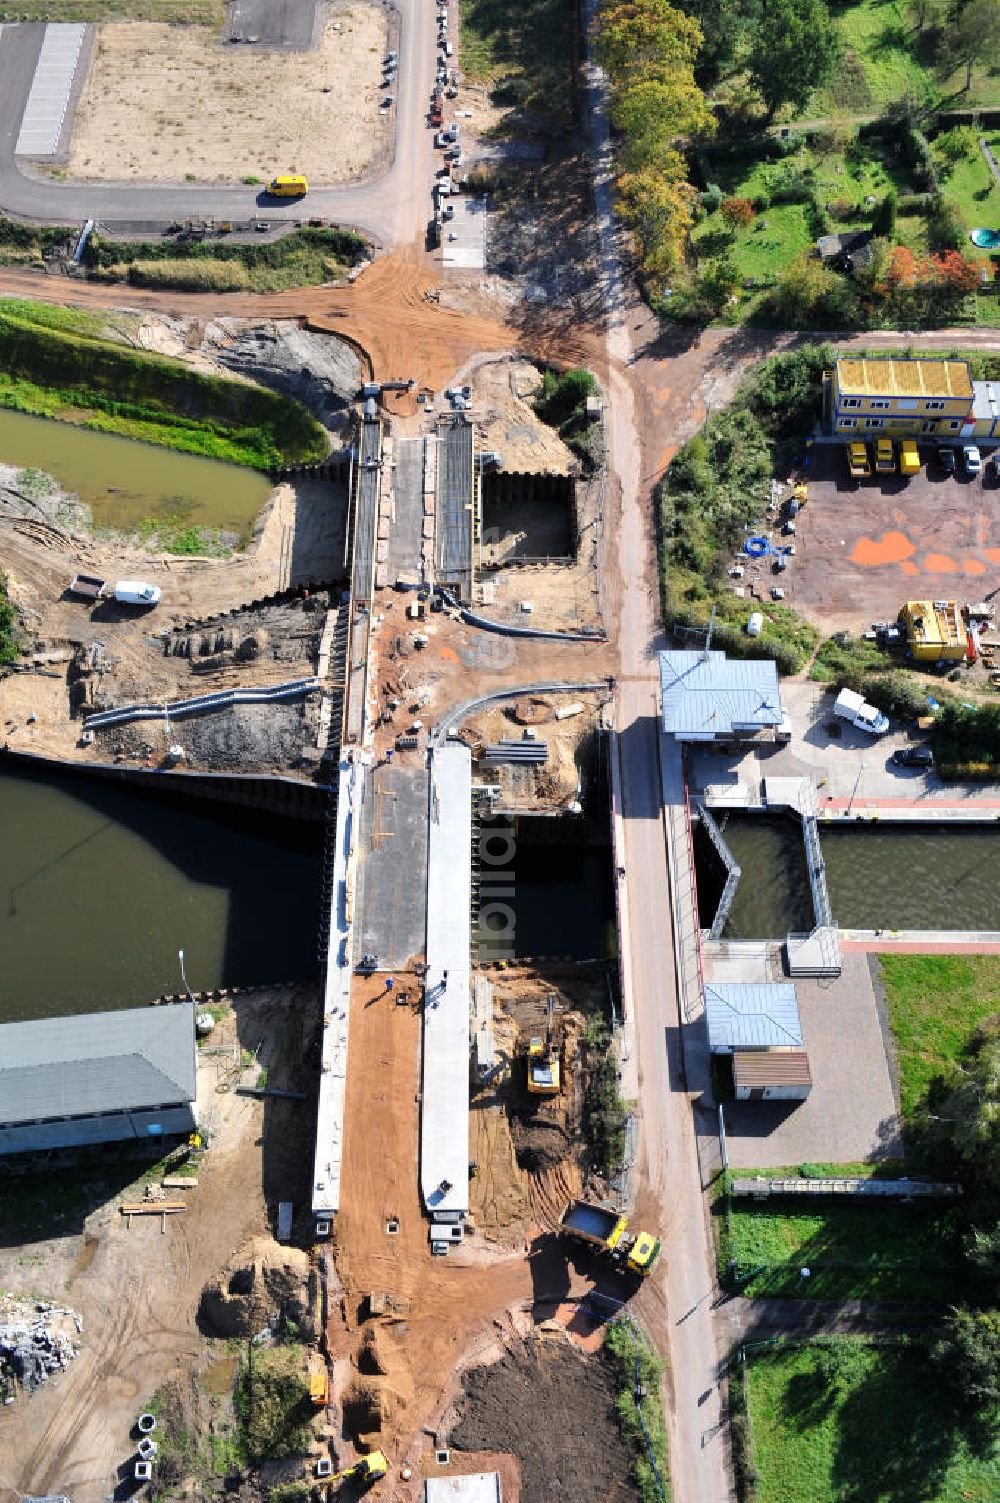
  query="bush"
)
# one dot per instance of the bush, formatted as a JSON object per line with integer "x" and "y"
{"x": 884, "y": 217}
{"x": 604, "y": 1111}
{"x": 564, "y": 397}
{"x": 738, "y": 212}
{"x": 967, "y": 736}
{"x": 945, "y": 226}
{"x": 711, "y": 199}
{"x": 9, "y": 642}
{"x": 916, "y": 203}
{"x": 273, "y": 1404}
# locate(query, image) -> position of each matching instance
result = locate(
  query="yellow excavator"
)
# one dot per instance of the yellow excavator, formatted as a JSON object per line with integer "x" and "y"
{"x": 543, "y": 1060}
{"x": 369, "y": 1469}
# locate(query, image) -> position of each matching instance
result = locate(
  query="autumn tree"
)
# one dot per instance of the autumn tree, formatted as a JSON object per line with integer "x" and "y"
{"x": 658, "y": 207}
{"x": 794, "y": 51}
{"x": 738, "y": 212}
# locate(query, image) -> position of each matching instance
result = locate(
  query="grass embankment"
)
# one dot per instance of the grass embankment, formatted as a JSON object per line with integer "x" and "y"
{"x": 846, "y": 1419}
{"x": 8, "y": 626}
{"x": 935, "y": 1003}
{"x": 305, "y": 258}
{"x": 526, "y": 53}
{"x": 51, "y": 371}
{"x": 641, "y": 1419}
{"x": 177, "y": 12}
{"x": 716, "y": 487}
{"x": 860, "y": 1251}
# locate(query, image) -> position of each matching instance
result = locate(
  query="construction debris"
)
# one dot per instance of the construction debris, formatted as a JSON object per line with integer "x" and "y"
{"x": 35, "y": 1342}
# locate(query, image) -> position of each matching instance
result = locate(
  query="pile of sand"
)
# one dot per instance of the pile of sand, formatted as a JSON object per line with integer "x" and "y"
{"x": 262, "y": 1285}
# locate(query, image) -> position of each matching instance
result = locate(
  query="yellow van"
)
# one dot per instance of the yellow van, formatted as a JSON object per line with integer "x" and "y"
{"x": 288, "y": 187}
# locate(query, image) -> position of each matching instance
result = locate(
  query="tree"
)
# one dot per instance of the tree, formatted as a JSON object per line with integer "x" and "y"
{"x": 794, "y": 51}
{"x": 658, "y": 208}
{"x": 955, "y": 272}
{"x": 804, "y": 289}
{"x": 975, "y": 36}
{"x": 738, "y": 212}
{"x": 718, "y": 281}
{"x": 725, "y": 25}
{"x": 926, "y": 14}
{"x": 884, "y": 216}
{"x": 971, "y": 1100}
{"x": 955, "y": 145}
{"x": 969, "y": 1354}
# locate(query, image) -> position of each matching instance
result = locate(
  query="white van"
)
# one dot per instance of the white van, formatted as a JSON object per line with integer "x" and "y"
{"x": 448, "y": 49}
{"x": 137, "y": 592}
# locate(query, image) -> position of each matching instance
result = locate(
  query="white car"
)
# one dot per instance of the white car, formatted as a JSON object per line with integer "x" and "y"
{"x": 137, "y": 592}
{"x": 972, "y": 461}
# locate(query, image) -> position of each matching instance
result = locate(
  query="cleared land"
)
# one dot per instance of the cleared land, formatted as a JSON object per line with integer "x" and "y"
{"x": 164, "y": 103}
{"x": 935, "y": 1002}
{"x": 844, "y": 1420}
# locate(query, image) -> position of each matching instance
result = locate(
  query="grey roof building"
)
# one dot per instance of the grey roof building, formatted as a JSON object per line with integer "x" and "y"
{"x": 752, "y": 1015}
{"x": 705, "y": 696}
{"x": 97, "y": 1077}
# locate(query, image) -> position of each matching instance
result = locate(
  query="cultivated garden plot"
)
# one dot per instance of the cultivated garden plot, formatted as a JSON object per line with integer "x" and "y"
{"x": 171, "y": 103}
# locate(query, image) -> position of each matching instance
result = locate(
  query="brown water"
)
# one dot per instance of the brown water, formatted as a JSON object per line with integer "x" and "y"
{"x": 100, "y": 887}
{"x": 124, "y": 482}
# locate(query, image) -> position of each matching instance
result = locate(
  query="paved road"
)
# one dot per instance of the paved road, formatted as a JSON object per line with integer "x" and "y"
{"x": 677, "y": 1309}
{"x": 394, "y": 207}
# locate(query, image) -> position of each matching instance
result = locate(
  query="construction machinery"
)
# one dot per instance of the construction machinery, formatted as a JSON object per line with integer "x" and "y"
{"x": 319, "y": 1382}
{"x": 543, "y": 1059}
{"x": 369, "y": 1469}
{"x": 600, "y": 1226}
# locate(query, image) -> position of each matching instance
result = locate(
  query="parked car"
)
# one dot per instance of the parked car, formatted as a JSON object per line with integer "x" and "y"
{"x": 913, "y": 756}
{"x": 972, "y": 461}
{"x": 885, "y": 457}
{"x": 909, "y": 458}
{"x": 946, "y": 460}
{"x": 858, "y": 462}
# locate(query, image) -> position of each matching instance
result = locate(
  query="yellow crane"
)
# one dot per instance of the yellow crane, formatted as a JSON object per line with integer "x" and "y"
{"x": 543, "y": 1060}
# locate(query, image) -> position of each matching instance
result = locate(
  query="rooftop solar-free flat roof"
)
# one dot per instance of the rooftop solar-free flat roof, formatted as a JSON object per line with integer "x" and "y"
{"x": 905, "y": 378}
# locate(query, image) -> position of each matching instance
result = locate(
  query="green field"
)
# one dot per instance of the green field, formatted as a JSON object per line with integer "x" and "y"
{"x": 869, "y": 1251}
{"x": 848, "y": 1422}
{"x": 935, "y": 1002}
{"x": 883, "y": 61}
{"x": 190, "y": 12}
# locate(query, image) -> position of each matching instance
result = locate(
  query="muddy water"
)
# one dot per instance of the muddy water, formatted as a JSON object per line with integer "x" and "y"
{"x": 100, "y": 887}
{"x": 124, "y": 482}
{"x": 879, "y": 877}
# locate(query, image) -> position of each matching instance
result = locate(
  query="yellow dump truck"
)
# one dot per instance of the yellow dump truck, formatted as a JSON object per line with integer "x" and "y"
{"x": 601, "y": 1227}
{"x": 909, "y": 458}
{"x": 858, "y": 463}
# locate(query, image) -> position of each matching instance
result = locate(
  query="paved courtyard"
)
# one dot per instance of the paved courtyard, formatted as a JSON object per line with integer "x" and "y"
{"x": 850, "y": 1114}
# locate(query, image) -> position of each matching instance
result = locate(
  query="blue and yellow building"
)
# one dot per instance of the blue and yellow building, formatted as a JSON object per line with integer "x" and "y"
{"x": 865, "y": 398}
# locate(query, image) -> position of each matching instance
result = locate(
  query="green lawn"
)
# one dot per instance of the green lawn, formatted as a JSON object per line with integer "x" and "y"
{"x": 193, "y": 12}
{"x": 879, "y": 1432}
{"x": 935, "y": 1002}
{"x": 759, "y": 252}
{"x": 869, "y": 1251}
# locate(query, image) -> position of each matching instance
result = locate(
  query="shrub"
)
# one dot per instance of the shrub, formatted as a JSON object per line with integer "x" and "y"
{"x": 711, "y": 199}
{"x": 843, "y": 208}
{"x": 604, "y": 1111}
{"x": 273, "y": 1404}
{"x": 8, "y": 626}
{"x": 946, "y": 227}
{"x": 738, "y": 212}
{"x": 956, "y": 145}
{"x": 884, "y": 217}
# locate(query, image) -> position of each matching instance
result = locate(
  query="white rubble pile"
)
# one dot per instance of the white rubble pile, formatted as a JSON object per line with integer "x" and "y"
{"x": 36, "y": 1340}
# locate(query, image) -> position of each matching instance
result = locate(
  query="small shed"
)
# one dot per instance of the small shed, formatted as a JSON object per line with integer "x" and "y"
{"x": 771, "y": 1074}
{"x": 474, "y": 1487}
{"x": 705, "y": 696}
{"x": 752, "y": 1015}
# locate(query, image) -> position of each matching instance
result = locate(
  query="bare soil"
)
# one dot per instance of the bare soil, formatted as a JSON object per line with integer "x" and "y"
{"x": 163, "y": 102}
{"x": 137, "y": 1288}
{"x": 553, "y": 1407}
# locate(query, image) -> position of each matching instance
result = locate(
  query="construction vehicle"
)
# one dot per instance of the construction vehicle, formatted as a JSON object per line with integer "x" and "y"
{"x": 542, "y": 1059}
{"x": 369, "y": 1469}
{"x": 858, "y": 462}
{"x": 600, "y": 1226}
{"x": 319, "y": 1383}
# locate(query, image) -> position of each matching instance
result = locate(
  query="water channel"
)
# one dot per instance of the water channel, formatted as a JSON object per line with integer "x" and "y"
{"x": 125, "y": 482}
{"x": 100, "y": 886}
{"x": 879, "y": 876}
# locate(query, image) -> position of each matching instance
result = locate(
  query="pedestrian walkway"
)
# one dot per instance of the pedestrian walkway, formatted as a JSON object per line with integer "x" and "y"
{"x": 42, "y": 122}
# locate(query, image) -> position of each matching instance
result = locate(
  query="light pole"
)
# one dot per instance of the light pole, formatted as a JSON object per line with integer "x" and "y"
{"x": 180, "y": 957}
{"x": 854, "y": 790}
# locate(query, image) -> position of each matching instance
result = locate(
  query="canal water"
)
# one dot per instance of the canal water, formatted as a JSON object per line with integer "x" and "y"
{"x": 124, "y": 482}
{"x": 879, "y": 876}
{"x": 559, "y": 889}
{"x": 100, "y": 887}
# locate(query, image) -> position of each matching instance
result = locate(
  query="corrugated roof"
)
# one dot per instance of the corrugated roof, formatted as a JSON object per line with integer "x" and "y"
{"x": 905, "y": 378}
{"x": 770, "y": 1067}
{"x": 474, "y": 1487}
{"x": 710, "y": 694}
{"x": 985, "y": 400}
{"x": 97, "y": 1062}
{"x": 756, "y": 1015}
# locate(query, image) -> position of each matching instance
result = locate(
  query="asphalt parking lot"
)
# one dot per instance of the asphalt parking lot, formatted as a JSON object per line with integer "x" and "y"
{"x": 862, "y": 548}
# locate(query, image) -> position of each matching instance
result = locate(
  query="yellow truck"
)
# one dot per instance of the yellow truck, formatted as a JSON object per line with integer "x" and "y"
{"x": 288, "y": 185}
{"x": 858, "y": 463}
{"x": 601, "y": 1227}
{"x": 909, "y": 458}
{"x": 885, "y": 458}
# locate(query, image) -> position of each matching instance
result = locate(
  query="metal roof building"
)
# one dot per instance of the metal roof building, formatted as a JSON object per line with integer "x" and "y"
{"x": 705, "y": 696}
{"x": 97, "y": 1077}
{"x": 752, "y": 1015}
{"x": 771, "y": 1075}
